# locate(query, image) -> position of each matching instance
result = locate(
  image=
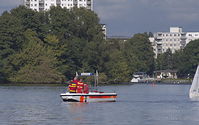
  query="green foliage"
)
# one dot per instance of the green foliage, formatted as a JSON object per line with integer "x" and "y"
{"x": 125, "y": 58}
{"x": 184, "y": 61}
{"x": 139, "y": 54}
{"x": 165, "y": 61}
{"x": 117, "y": 67}
{"x": 10, "y": 41}
{"x": 51, "y": 46}
{"x": 36, "y": 62}
{"x": 188, "y": 59}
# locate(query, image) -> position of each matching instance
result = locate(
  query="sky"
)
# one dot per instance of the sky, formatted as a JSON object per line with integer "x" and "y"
{"x": 128, "y": 17}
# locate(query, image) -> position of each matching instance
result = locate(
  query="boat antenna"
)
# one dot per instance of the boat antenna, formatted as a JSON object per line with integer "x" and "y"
{"x": 76, "y": 74}
{"x": 97, "y": 78}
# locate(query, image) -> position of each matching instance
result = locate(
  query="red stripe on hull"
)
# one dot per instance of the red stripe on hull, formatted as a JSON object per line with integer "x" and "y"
{"x": 101, "y": 97}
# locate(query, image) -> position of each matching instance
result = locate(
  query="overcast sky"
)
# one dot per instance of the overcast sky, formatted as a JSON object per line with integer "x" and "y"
{"x": 127, "y": 17}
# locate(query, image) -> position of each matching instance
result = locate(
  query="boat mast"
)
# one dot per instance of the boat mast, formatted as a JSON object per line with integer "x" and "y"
{"x": 96, "y": 79}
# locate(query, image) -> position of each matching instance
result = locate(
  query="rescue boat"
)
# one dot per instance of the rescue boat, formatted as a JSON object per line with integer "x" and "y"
{"x": 89, "y": 97}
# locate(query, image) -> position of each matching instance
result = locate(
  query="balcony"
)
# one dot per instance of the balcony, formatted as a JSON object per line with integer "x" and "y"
{"x": 58, "y": 2}
{"x": 88, "y": 7}
{"x": 75, "y": 2}
{"x": 41, "y": 1}
{"x": 41, "y": 9}
{"x": 159, "y": 51}
{"x": 183, "y": 42}
{"x": 27, "y": 2}
{"x": 88, "y": 2}
{"x": 183, "y": 38}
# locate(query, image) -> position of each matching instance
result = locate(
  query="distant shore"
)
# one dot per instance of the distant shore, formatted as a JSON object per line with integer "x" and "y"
{"x": 32, "y": 83}
{"x": 163, "y": 81}
{"x": 177, "y": 81}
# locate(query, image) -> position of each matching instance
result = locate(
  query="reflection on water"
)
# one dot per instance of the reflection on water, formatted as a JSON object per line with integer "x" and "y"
{"x": 136, "y": 105}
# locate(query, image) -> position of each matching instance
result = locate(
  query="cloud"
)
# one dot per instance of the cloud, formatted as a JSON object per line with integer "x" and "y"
{"x": 181, "y": 10}
{"x": 111, "y": 9}
{"x": 146, "y": 15}
{"x": 8, "y": 3}
{"x": 124, "y": 17}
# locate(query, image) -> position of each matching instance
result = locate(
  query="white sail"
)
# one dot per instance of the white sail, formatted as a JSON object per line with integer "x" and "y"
{"x": 194, "y": 90}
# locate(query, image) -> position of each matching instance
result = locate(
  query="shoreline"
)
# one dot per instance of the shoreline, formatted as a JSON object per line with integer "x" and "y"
{"x": 158, "y": 82}
{"x": 112, "y": 84}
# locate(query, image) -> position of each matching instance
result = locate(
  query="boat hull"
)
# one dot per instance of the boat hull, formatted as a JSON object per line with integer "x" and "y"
{"x": 90, "y": 97}
{"x": 194, "y": 95}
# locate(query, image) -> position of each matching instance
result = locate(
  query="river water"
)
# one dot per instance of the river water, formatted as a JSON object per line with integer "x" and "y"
{"x": 136, "y": 105}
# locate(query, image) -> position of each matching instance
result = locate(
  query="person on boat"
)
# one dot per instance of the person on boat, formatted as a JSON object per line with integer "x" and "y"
{"x": 80, "y": 86}
{"x": 73, "y": 85}
{"x": 75, "y": 80}
{"x": 86, "y": 88}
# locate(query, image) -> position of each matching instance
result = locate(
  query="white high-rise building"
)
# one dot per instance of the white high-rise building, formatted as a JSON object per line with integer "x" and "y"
{"x": 174, "y": 40}
{"x": 104, "y": 30}
{"x": 41, "y": 5}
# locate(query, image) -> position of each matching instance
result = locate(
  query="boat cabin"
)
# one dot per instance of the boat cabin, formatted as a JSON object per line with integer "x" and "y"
{"x": 166, "y": 74}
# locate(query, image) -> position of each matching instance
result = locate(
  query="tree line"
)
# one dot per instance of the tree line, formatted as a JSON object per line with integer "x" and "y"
{"x": 50, "y": 46}
{"x": 185, "y": 61}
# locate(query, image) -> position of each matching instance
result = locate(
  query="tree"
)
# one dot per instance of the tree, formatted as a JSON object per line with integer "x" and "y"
{"x": 36, "y": 62}
{"x": 11, "y": 39}
{"x": 117, "y": 67}
{"x": 30, "y": 19}
{"x": 139, "y": 53}
{"x": 165, "y": 61}
{"x": 187, "y": 60}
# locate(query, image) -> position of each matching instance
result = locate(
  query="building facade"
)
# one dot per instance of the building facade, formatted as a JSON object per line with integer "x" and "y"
{"x": 43, "y": 5}
{"x": 174, "y": 40}
{"x": 104, "y": 30}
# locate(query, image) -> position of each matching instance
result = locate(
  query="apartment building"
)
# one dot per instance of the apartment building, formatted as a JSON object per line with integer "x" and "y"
{"x": 174, "y": 40}
{"x": 104, "y": 30}
{"x": 42, "y": 5}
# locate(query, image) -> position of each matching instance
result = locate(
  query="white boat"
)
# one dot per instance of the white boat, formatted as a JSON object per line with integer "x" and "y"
{"x": 140, "y": 77}
{"x": 90, "y": 97}
{"x": 135, "y": 79}
{"x": 194, "y": 90}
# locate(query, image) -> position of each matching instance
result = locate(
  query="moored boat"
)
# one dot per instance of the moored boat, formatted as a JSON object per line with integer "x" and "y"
{"x": 141, "y": 77}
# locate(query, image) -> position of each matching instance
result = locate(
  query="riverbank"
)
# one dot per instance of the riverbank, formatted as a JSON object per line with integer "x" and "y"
{"x": 176, "y": 81}
{"x": 162, "y": 81}
{"x": 32, "y": 84}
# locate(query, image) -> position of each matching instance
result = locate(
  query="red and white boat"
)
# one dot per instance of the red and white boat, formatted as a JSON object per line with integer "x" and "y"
{"x": 90, "y": 97}
{"x": 93, "y": 96}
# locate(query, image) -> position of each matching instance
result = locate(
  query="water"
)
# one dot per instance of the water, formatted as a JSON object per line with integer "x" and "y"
{"x": 136, "y": 105}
